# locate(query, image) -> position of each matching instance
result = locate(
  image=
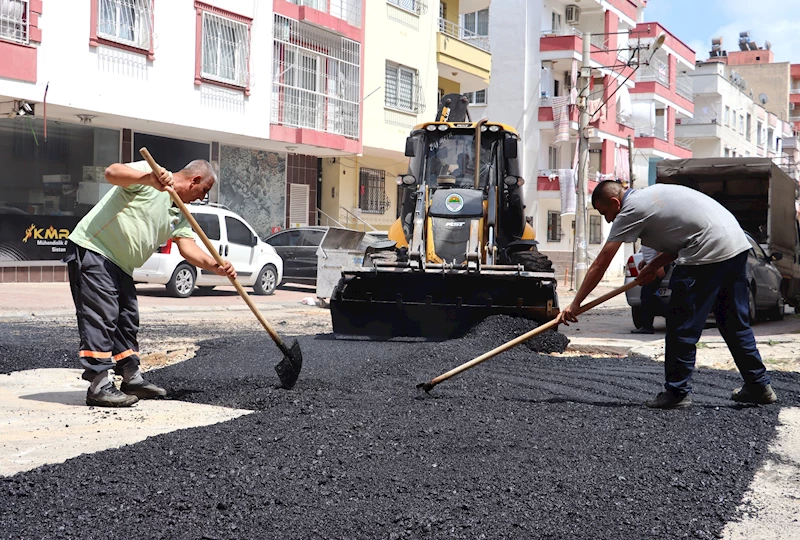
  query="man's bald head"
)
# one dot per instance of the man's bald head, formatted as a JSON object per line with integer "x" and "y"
{"x": 607, "y": 190}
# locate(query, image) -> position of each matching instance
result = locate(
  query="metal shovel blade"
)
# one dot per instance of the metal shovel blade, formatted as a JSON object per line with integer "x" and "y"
{"x": 289, "y": 368}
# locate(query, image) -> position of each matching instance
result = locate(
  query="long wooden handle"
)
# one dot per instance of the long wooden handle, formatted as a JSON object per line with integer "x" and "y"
{"x": 524, "y": 337}
{"x": 217, "y": 257}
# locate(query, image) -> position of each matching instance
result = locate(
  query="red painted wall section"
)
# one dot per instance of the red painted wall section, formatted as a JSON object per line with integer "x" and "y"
{"x": 320, "y": 18}
{"x": 20, "y": 61}
{"x": 653, "y": 29}
{"x": 628, "y": 7}
{"x": 611, "y": 25}
{"x": 315, "y": 138}
{"x": 607, "y": 156}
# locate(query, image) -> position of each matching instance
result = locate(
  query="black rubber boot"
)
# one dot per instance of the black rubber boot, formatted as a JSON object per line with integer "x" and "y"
{"x": 109, "y": 396}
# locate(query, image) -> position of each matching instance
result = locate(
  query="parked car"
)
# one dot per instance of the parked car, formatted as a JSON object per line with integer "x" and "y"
{"x": 257, "y": 263}
{"x": 298, "y": 249}
{"x": 766, "y": 300}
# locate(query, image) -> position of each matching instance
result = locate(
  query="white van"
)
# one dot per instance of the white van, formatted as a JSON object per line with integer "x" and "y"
{"x": 257, "y": 264}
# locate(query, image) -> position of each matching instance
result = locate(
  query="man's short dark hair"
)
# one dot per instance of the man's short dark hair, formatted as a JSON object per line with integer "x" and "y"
{"x": 606, "y": 190}
{"x": 200, "y": 167}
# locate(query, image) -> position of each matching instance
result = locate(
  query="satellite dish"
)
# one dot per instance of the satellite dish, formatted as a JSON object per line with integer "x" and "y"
{"x": 763, "y": 98}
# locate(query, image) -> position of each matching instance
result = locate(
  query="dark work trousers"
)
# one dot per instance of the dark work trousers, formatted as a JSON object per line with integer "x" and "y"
{"x": 694, "y": 290}
{"x": 649, "y": 302}
{"x": 107, "y": 311}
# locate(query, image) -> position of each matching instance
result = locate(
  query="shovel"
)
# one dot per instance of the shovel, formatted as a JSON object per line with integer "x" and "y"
{"x": 288, "y": 369}
{"x": 428, "y": 386}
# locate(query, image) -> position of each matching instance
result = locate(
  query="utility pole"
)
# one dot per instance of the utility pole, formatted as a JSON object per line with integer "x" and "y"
{"x": 583, "y": 164}
{"x": 630, "y": 161}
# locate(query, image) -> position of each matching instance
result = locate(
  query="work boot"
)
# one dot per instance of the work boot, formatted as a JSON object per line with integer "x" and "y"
{"x": 109, "y": 396}
{"x": 760, "y": 395}
{"x": 143, "y": 390}
{"x": 668, "y": 400}
{"x": 643, "y": 331}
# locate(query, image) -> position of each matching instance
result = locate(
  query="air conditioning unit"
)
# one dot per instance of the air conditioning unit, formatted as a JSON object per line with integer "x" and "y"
{"x": 573, "y": 14}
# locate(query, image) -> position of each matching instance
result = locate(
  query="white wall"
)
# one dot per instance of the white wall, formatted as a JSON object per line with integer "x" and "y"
{"x": 116, "y": 85}
{"x": 515, "y": 30}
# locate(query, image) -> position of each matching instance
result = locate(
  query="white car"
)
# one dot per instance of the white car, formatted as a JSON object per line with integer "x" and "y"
{"x": 257, "y": 263}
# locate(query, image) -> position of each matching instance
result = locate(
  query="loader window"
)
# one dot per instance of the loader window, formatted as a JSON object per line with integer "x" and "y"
{"x": 454, "y": 155}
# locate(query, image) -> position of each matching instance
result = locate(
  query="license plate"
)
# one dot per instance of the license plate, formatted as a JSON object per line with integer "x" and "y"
{"x": 663, "y": 291}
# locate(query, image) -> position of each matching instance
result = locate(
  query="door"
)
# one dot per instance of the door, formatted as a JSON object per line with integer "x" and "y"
{"x": 285, "y": 244}
{"x": 306, "y": 253}
{"x": 240, "y": 248}
{"x": 210, "y": 223}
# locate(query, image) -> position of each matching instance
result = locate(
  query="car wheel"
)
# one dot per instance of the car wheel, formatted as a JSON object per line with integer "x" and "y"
{"x": 267, "y": 280}
{"x": 636, "y": 314}
{"x": 776, "y": 313}
{"x": 181, "y": 284}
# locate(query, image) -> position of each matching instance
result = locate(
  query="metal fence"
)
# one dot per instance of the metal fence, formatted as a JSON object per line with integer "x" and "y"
{"x": 317, "y": 77}
{"x": 126, "y": 21}
{"x": 684, "y": 87}
{"x": 14, "y": 17}
{"x": 462, "y": 34}
{"x": 657, "y": 71}
{"x": 347, "y": 10}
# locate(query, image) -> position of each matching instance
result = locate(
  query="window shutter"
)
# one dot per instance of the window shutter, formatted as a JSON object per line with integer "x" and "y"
{"x": 298, "y": 205}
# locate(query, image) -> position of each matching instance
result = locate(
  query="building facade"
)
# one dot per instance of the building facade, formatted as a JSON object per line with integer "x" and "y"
{"x": 260, "y": 89}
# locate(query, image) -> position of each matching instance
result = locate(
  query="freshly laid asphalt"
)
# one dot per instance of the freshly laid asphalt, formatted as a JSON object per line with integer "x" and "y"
{"x": 526, "y": 445}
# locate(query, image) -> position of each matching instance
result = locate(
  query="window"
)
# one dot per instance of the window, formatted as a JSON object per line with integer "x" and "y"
{"x": 126, "y": 21}
{"x": 414, "y": 6}
{"x": 727, "y": 115}
{"x": 771, "y": 139}
{"x": 209, "y": 223}
{"x": 727, "y": 152}
{"x": 552, "y": 158}
{"x": 14, "y": 21}
{"x": 759, "y": 134}
{"x": 402, "y": 88}
{"x": 476, "y": 98}
{"x": 316, "y": 79}
{"x": 555, "y": 22}
{"x": 288, "y": 238}
{"x": 741, "y": 125}
{"x": 311, "y": 238}
{"x": 476, "y": 24}
{"x": 372, "y": 197}
{"x": 749, "y": 128}
{"x": 553, "y": 226}
{"x": 238, "y": 232}
{"x": 225, "y": 50}
{"x": 595, "y": 230}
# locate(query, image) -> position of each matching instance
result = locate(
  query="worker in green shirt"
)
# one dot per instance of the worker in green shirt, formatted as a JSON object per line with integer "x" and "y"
{"x": 116, "y": 236}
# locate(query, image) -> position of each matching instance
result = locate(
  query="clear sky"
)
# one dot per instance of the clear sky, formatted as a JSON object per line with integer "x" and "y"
{"x": 695, "y": 22}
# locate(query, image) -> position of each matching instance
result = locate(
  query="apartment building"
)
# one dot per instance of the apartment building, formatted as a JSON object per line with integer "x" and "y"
{"x": 415, "y": 51}
{"x": 541, "y": 102}
{"x": 261, "y": 89}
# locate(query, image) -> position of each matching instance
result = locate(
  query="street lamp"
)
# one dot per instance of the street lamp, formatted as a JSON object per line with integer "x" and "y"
{"x": 580, "y": 246}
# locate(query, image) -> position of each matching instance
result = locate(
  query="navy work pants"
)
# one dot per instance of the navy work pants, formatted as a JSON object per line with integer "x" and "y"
{"x": 694, "y": 290}
{"x": 107, "y": 311}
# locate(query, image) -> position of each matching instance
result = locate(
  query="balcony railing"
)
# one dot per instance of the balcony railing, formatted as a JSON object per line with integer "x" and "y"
{"x": 347, "y": 10}
{"x": 794, "y": 119}
{"x": 684, "y": 87}
{"x": 563, "y": 31}
{"x": 600, "y": 41}
{"x": 657, "y": 71}
{"x": 794, "y": 91}
{"x": 658, "y": 133}
{"x": 462, "y": 34}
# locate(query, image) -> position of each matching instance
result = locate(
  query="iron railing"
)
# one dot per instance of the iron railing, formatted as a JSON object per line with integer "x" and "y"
{"x": 657, "y": 71}
{"x": 460, "y": 33}
{"x": 684, "y": 87}
{"x": 126, "y": 21}
{"x": 14, "y": 17}
{"x": 317, "y": 79}
{"x": 346, "y": 10}
{"x": 352, "y": 221}
{"x": 418, "y": 7}
{"x": 562, "y": 31}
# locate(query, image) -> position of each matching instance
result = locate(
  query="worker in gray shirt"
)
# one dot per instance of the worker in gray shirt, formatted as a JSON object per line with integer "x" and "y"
{"x": 710, "y": 251}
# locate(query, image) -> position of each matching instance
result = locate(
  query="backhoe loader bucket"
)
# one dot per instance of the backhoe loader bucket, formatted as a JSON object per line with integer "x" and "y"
{"x": 437, "y": 303}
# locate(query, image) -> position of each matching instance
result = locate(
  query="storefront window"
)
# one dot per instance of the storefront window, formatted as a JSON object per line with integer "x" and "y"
{"x": 48, "y": 184}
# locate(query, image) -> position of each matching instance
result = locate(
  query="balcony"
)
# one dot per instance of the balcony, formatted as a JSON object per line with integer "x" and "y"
{"x": 346, "y": 10}
{"x": 463, "y": 56}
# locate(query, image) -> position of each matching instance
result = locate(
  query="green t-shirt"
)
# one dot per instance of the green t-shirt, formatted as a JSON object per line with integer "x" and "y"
{"x": 128, "y": 224}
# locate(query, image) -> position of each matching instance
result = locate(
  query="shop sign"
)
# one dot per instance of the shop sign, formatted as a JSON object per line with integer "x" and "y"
{"x": 34, "y": 238}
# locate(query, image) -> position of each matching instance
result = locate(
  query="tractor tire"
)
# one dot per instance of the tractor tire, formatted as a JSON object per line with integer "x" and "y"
{"x": 532, "y": 261}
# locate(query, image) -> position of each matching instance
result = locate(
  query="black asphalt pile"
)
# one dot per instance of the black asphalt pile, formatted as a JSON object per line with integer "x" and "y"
{"x": 499, "y": 329}
{"x": 523, "y": 446}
